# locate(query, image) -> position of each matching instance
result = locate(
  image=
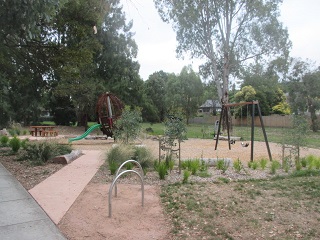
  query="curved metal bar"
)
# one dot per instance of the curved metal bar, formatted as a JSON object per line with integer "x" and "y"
{"x": 114, "y": 182}
{"x": 117, "y": 173}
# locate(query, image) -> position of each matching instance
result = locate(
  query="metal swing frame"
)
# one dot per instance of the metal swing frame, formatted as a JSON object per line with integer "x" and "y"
{"x": 225, "y": 114}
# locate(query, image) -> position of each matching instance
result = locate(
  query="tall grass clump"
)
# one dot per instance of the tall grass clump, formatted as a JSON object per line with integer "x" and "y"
{"x": 144, "y": 156}
{"x": 162, "y": 170}
{"x": 311, "y": 160}
{"x": 117, "y": 155}
{"x": 186, "y": 175}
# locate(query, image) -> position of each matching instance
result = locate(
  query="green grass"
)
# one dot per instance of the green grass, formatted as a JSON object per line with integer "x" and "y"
{"x": 275, "y": 135}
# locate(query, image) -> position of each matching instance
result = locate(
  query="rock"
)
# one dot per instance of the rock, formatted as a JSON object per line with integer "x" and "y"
{"x": 4, "y": 132}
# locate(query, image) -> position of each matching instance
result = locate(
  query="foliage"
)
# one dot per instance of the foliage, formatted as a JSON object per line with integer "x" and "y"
{"x": 222, "y": 165}
{"x": 226, "y": 34}
{"x": 186, "y": 175}
{"x": 275, "y": 165}
{"x": 263, "y": 163}
{"x": 162, "y": 170}
{"x": 128, "y": 126}
{"x": 15, "y": 144}
{"x": 119, "y": 154}
{"x": 144, "y": 156}
{"x": 237, "y": 165}
{"x": 184, "y": 93}
{"x": 40, "y": 152}
{"x": 4, "y": 140}
{"x": 175, "y": 129}
{"x": 303, "y": 84}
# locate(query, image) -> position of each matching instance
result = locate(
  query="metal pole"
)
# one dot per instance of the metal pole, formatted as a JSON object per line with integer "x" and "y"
{"x": 264, "y": 133}
{"x": 252, "y": 130}
{"x": 218, "y": 133}
{"x": 228, "y": 130}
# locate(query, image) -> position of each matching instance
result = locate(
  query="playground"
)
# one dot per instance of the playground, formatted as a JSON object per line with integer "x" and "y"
{"x": 87, "y": 216}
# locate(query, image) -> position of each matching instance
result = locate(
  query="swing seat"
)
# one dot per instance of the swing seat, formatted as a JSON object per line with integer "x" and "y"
{"x": 244, "y": 144}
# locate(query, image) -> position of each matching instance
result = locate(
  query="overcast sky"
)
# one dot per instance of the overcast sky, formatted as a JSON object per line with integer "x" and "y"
{"x": 157, "y": 41}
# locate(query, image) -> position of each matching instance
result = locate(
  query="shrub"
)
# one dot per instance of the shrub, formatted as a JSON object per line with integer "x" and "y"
{"x": 144, "y": 156}
{"x": 40, "y": 152}
{"x": 119, "y": 154}
{"x": 194, "y": 166}
{"x": 304, "y": 162}
{"x": 171, "y": 165}
{"x": 237, "y": 165}
{"x": 186, "y": 175}
{"x": 129, "y": 166}
{"x": 298, "y": 165}
{"x": 275, "y": 165}
{"x": 162, "y": 170}
{"x": 222, "y": 165}
{"x": 4, "y": 140}
{"x": 15, "y": 144}
{"x": 263, "y": 163}
{"x": 317, "y": 163}
{"x": 311, "y": 159}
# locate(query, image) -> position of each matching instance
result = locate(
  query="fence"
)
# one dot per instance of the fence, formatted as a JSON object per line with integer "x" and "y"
{"x": 269, "y": 121}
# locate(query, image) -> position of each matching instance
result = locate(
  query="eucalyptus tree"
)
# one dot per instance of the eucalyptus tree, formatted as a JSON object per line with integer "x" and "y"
{"x": 226, "y": 34}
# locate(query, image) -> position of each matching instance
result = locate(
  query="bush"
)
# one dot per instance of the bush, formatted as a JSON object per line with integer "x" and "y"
{"x": 120, "y": 154}
{"x": 194, "y": 166}
{"x": 15, "y": 144}
{"x": 40, "y": 152}
{"x": 4, "y": 140}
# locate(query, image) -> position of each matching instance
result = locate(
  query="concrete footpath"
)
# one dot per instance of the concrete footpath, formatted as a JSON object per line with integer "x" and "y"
{"x": 24, "y": 216}
{"x": 21, "y": 218}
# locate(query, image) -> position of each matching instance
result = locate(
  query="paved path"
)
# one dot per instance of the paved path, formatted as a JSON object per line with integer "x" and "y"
{"x": 57, "y": 193}
{"x": 21, "y": 218}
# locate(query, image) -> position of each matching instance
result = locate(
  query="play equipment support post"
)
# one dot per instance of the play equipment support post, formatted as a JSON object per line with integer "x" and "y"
{"x": 224, "y": 113}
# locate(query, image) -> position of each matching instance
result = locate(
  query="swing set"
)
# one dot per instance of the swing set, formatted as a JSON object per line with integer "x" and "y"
{"x": 225, "y": 116}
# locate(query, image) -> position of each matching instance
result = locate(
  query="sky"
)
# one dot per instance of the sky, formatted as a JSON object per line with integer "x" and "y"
{"x": 156, "y": 39}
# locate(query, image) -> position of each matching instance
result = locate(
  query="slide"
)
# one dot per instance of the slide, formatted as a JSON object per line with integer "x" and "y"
{"x": 86, "y": 133}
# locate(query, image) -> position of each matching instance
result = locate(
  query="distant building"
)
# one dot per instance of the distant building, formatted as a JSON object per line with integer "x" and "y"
{"x": 210, "y": 107}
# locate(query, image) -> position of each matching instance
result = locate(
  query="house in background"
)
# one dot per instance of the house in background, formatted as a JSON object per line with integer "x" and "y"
{"x": 210, "y": 107}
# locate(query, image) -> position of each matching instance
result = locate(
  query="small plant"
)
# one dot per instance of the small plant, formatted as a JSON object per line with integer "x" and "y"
{"x": 162, "y": 170}
{"x": 286, "y": 164}
{"x": 253, "y": 165}
{"x": 275, "y": 165}
{"x": 263, "y": 163}
{"x": 194, "y": 166}
{"x": 119, "y": 154}
{"x": 237, "y": 165}
{"x": 186, "y": 175}
{"x": 15, "y": 144}
{"x": 144, "y": 156}
{"x": 113, "y": 166}
{"x": 303, "y": 162}
{"x": 221, "y": 165}
{"x": 317, "y": 163}
{"x": 171, "y": 165}
{"x": 311, "y": 159}
{"x": 129, "y": 166}
{"x": 298, "y": 164}
{"x": 4, "y": 140}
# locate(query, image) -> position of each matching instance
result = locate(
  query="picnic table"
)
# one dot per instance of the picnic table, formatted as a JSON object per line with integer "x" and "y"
{"x": 43, "y": 131}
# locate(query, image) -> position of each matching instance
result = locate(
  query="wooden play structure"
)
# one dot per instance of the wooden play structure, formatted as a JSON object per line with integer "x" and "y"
{"x": 109, "y": 108}
{"x": 225, "y": 117}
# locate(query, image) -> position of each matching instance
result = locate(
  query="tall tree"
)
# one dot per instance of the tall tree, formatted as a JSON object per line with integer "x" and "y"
{"x": 155, "y": 88}
{"x": 227, "y": 33}
{"x": 184, "y": 93}
{"x": 303, "y": 86}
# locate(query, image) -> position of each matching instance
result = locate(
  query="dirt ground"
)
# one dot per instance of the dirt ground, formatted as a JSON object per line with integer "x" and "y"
{"x": 88, "y": 217}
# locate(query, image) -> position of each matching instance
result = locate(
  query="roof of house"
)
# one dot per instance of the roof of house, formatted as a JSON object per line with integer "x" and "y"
{"x": 209, "y": 103}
